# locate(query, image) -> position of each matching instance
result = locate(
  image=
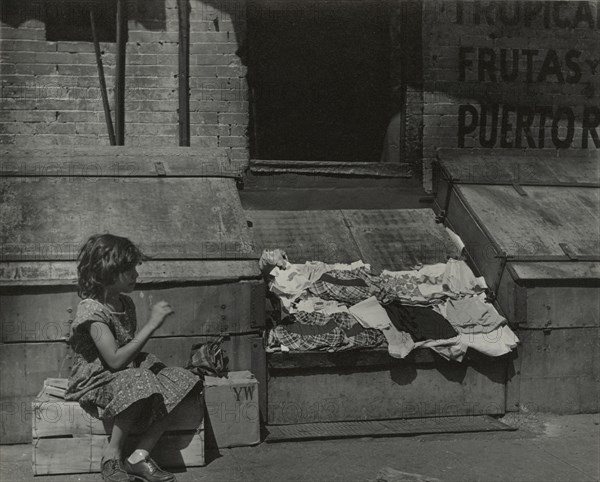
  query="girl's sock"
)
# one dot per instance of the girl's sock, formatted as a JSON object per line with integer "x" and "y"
{"x": 137, "y": 456}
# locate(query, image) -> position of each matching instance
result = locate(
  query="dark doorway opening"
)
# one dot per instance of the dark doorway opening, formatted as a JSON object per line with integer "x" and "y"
{"x": 319, "y": 73}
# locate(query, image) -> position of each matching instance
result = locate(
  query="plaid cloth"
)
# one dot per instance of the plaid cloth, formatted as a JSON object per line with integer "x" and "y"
{"x": 346, "y": 292}
{"x": 339, "y": 332}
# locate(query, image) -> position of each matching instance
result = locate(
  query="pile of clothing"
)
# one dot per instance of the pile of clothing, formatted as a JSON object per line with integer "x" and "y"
{"x": 334, "y": 307}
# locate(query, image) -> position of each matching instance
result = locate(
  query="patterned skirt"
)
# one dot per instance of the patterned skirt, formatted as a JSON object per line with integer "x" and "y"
{"x": 151, "y": 382}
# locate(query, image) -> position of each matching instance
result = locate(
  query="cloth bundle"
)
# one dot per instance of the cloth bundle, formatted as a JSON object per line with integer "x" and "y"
{"x": 206, "y": 359}
{"x": 342, "y": 306}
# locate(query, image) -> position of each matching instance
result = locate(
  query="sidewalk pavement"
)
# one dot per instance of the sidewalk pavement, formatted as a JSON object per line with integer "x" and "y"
{"x": 545, "y": 448}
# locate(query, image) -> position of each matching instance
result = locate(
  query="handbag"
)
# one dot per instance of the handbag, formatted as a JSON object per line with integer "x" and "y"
{"x": 206, "y": 359}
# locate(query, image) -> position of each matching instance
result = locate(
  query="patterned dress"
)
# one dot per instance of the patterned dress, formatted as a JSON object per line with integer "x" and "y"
{"x": 103, "y": 392}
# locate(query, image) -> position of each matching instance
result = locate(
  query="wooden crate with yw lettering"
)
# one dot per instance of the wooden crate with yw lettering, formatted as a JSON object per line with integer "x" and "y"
{"x": 232, "y": 410}
{"x": 67, "y": 440}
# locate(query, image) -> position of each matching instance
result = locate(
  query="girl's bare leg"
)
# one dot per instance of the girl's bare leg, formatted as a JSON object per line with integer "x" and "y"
{"x": 151, "y": 436}
{"x": 123, "y": 424}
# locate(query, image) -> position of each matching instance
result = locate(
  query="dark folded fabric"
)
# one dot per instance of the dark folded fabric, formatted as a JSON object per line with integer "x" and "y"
{"x": 327, "y": 278}
{"x": 355, "y": 330}
{"x": 421, "y": 323}
{"x": 347, "y": 287}
{"x": 290, "y": 324}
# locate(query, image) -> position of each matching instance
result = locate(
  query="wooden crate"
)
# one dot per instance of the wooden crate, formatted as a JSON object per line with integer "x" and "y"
{"x": 66, "y": 440}
{"x": 370, "y": 385}
{"x": 530, "y": 226}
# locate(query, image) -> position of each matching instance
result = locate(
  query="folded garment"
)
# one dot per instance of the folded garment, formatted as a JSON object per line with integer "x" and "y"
{"x": 399, "y": 343}
{"x": 472, "y": 314}
{"x": 451, "y": 349}
{"x": 404, "y": 286}
{"x": 293, "y": 279}
{"x": 306, "y": 329}
{"x": 432, "y": 291}
{"x": 496, "y": 343}
{"x": 371, "y": 314}
{"x": 270, "y": 258}
{"x": 316, "y": 331}
{"x": 421, "y": 323}
{"x": 432, "y": 273}
{"x": 453, "y": 277}
{"x": 348, "y": 286}
{"x": 456, "y": 239}
{"x": 311, "y": 304}
{"x": 341, "y": 281}
{"x": 458, "y": 278}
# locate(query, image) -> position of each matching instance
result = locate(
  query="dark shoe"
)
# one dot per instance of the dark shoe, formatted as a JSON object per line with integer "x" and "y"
{"x": 113, "y": 470}
{"x": 148, "y": 471}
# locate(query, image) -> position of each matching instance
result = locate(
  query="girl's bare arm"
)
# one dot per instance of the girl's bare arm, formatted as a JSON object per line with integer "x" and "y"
{"x": 118, "y": 358}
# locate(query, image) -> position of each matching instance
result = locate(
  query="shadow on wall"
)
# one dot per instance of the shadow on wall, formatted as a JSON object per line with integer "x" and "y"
{"x": 69, "y": 20}
{"x": 233, "y": 10}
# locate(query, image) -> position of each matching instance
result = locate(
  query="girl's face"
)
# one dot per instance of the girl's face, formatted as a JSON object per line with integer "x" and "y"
{"x": 125, "y": 282}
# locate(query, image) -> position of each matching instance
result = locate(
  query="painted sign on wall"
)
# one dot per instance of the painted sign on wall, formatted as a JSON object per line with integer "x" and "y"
{"x": 527, "y": 73}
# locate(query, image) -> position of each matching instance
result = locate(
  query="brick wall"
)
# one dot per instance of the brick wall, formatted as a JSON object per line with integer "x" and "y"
{"x": 458, "y": 93}
{"x": 50, "y": 90}
{"x": 471, "y": 101}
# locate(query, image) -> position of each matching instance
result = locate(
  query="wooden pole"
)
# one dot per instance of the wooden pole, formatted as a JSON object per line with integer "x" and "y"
{"x": 120, "y": 72}
{"x": 107, "y": 117}
{"x": 403, "y": 80}
{"x": 184, "y": 71}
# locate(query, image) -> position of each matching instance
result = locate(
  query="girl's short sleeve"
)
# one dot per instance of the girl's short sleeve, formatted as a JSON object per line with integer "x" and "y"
{"x": 88, "y": 312}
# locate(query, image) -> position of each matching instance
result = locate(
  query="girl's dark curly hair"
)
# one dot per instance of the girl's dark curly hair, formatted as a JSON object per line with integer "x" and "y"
{"x": 101, "y": 259}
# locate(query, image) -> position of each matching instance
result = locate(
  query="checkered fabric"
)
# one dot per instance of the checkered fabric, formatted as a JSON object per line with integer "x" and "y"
{"x": 340, "y": 325}
{"x": 330, "y": 290}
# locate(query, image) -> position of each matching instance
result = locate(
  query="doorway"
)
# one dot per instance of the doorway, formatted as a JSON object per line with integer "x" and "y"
{"x": 319, "y": 74}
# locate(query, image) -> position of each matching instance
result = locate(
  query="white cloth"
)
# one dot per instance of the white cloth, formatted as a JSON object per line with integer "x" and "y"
{"x": 455, "y": 276}
{"x": 292, "y": 280}
{"x": 471, "y": 314}
{"x": 370, "y": 314}
{"x": 458, "y": 242}
{"x": 431, "y": 291}
{"x": 314, "y": 303}
{"x": 497, "y": 342}
{"x": 432, "y": 273}
{"x": 271, "y": 258}
{"x": 400, "y": 343}
{"x": 459, "y": 278}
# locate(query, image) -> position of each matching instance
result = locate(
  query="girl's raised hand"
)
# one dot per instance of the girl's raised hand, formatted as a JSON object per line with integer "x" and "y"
{"x": 160, "y": 311}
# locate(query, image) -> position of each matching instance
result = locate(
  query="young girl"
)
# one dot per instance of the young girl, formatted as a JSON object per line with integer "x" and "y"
{"x": 111, "y": 377}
